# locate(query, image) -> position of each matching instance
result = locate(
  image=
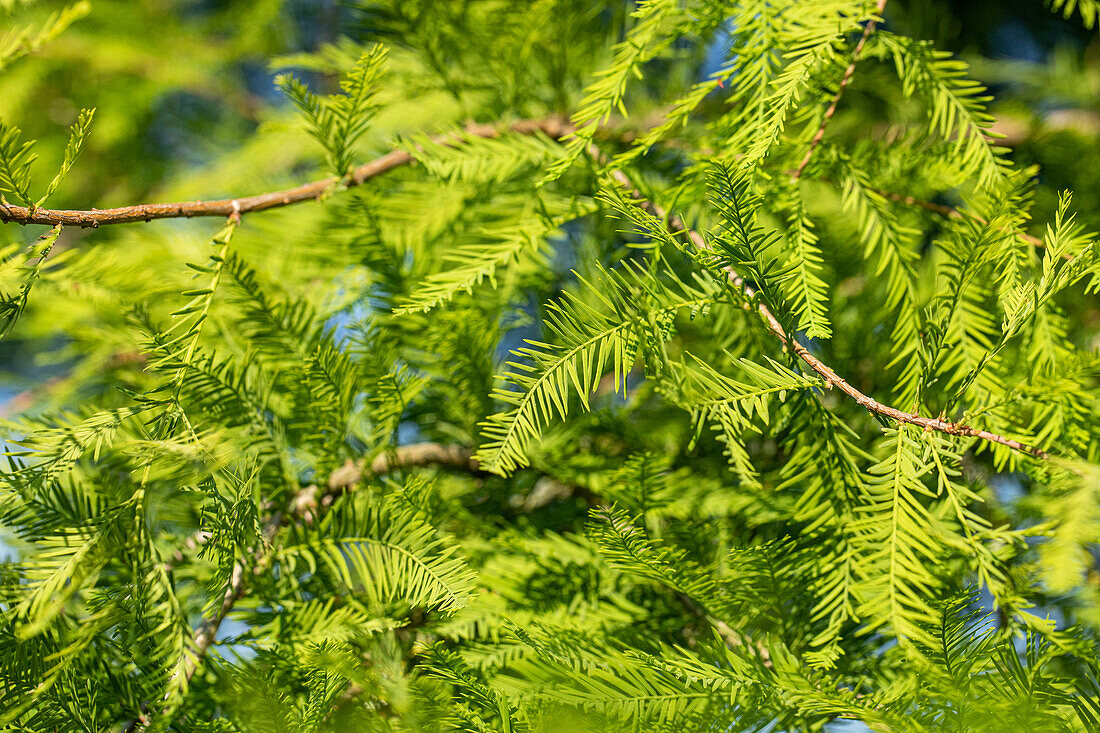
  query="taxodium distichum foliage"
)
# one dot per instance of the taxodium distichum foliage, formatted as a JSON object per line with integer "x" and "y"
{"x": 535, "y": 366}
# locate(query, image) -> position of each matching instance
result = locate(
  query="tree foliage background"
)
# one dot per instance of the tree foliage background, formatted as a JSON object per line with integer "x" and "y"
{"x": 678, "y": 365}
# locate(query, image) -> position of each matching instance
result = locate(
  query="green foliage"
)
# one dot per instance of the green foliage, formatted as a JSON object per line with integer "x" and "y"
{"x": 607, "y": 432}
{"x": 21, "y": 274}
{"x": 1088, "y": 10}
{"x": 657, "y": 25}
{"x": 72, "y": 149}
{"x": 16, "y": 159}
{"x": 591, "y": 332}
{"x": 20, "y": 40}
{"x": 338, "y": 121}
{"x": 383, "y": 554}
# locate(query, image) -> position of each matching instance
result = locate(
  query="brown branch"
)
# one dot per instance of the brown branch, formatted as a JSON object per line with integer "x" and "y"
{"x": 951, "y": 213}
{"x": 545, "y": 490}
{"x": 402, "y": 456}
{"x": 424, "y": 454}
{"x": 556, "y": 128}
{"x": 552, "y": 126}
{"x": 303, "y": 504}
{"x": 207, "y": 631}
{"x": 234, "y": 591}
{"x": 844, "y": 81}
{"x": 676, "y": 225}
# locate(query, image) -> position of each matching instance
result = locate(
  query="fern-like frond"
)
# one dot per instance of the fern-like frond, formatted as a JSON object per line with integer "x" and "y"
{"x": 16, "y": 158}
{"x": 383, "y": 553}
{"x": 555, "y": 372}
{"x": 19, "y": 41}
{"x": 735, "y": 408}
{"x": 63, "y": 563}
{"x": 656, "y": 27}
{"x": 1075, "y": 525}
{"x": 77, "y": 134}
{"x": 899, "y": 540}
{"x": 956, "y": 104}
{"x": 478, "y": 705}
{"x": 476, "y": 262}
{"x": 588, "y": 336}
{"x": 281, "y": 328}
{"x": 741, "y": 244}
{"x": 12, "y": 306}
{"x": 808, "y": 293}
{"x": 626, "y": 547}
{"x": 181, "y": 339}
{"x": 46, "y": 454}
{"x": 353, "y": 109}
{"x": 338, "y": 121}
{"x": 310, "y": 622}
{"x": 964, "y": 636}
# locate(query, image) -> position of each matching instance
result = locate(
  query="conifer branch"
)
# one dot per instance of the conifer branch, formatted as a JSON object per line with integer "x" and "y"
{"x": 208, "y": 629}
{"x": 303, "y": 505}
{"x": 948, "y": 211}
{"x": 773, "y": 561}
{"x": 677, "y": 226}
{"x": 554, "y": 127}
{"x": 405, "y": 456}
{"x": 844, "y": 81}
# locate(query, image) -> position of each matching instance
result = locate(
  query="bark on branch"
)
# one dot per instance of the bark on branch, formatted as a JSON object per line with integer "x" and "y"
{"x": 845, "y": 80}
{"x": 302, "y": 506}
{"x": 675, "y": 225}
{"x": 554, "y": 127}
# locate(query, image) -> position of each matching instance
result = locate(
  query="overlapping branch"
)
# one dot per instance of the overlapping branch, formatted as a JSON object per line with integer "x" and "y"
{"x": 553, "y": 127}
{"x": 303, "y": 506}
{"x": 844, "y": 81}
{"x": 305, "y": 503}
{"x": 676, "y": 226}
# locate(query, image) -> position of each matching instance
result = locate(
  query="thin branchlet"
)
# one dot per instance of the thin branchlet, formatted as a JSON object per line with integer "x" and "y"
{"x": 844, "y": 81}
{"x": 558, "y": 129}
{"x": 554, "y": 127}
{"x": 676, "y": 226}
